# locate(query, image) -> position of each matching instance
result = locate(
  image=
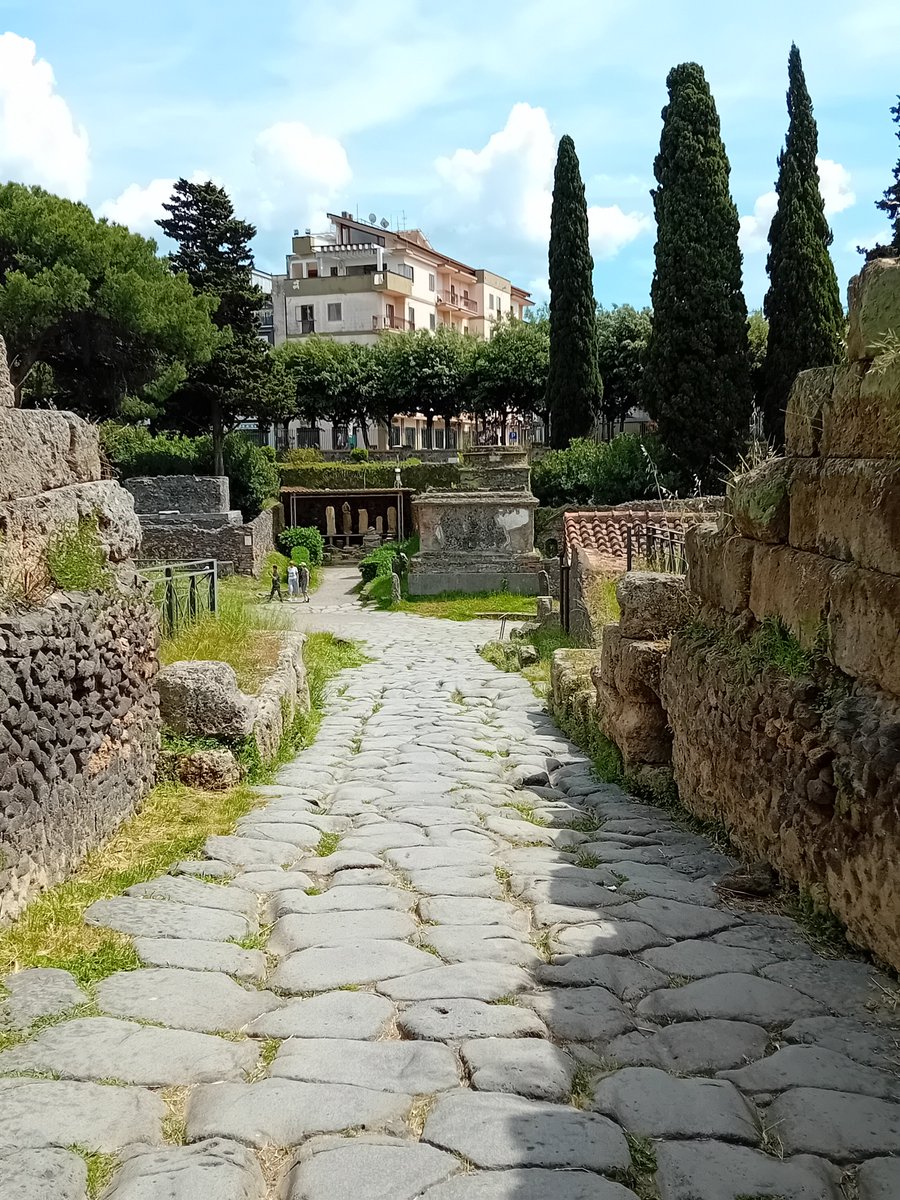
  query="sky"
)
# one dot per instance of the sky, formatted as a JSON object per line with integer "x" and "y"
{"x": 442, "y": 117}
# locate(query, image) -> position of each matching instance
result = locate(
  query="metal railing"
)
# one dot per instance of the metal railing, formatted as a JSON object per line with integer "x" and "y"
{"x": 184, "y": 592}
{"x": 656, "y": 548}
{"x": 391, "y": 323}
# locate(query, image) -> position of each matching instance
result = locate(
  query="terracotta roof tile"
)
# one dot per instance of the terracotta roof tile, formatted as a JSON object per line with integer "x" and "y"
{"x": 605, "y": 530}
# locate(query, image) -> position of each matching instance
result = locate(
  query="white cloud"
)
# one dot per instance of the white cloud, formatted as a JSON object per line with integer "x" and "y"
{"x": 298, "y": 174}
{"x": 754, "y": 230}
{"x": 141, "y": 207}
{"x": 40, "y": 142}
{"x": 611, "y": 229}
{"x": 834, "y": 184}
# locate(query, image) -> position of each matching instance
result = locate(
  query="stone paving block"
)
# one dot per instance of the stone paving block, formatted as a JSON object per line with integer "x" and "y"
{"x": 583, "y": 1014}
{"x": 363, "y": 876}
{"x": 371, "y": 1172}
{"x": 674, "y": 919}
{"x": 461, "y": 981}
{"x": 707, "y": 1170}
{"x": 458, "y": 1020}
{"x": 351, "y": 963}
{"x": 813, "y": 1067}
{"x": 194, "y": 891}
{"x": 837, "y": 1125}
{"x": 456, "y": 881}
{"x": 480, "y": 943}
{"x": 36, "y": 1113}
{"x": 166, "y": 919}
{"x": 249, "y": 853}
{"x": 695, "y": 959}
{"x": 303, "y": 837}
{"x": 846, "y": 988}
{"x": 273, "y": 881}
{"x": 879, "y": 1179}
{"x": 37, "y": 992}
{"x": 627, "y": 978}
{"x": 213, "y": 1168}
{"x": 547, "y": 915}
{"x": 732, "y": 997}
{"x": 534, "y": 1184}
{"x": 41, "y": 1174}
{"x": 191, "y": 955}
{"x": 307, "y": 930}
{"x": 691, "y": 1047}
{"x": 95, "y": 1048}
{"x": 753, "y": 934}
{"x": 651, "y": 1103}
{"x": 412, "y": 1068}
{"x": 356, "y": 898}
{"x": 493, "y": 1130}
{"x": 199, "y": 1000}
{"x": 612, "y": 936}
{"x": 332, "y": 1015}
{"x": 203, "y": 866}
{"x": 870, "y": 1044}
{"x": 341, "y": 860}
{"x": 459, "y": 910}
{"x": 282, "y": 1112}
{"x": 525, "y": 1066}
{"x": 423, "y": 858}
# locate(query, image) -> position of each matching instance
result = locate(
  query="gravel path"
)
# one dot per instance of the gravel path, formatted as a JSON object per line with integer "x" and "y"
{"x": 487, "y": 976}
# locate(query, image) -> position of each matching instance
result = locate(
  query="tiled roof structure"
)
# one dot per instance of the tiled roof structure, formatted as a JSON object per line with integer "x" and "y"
{"x": 604, "y": 530}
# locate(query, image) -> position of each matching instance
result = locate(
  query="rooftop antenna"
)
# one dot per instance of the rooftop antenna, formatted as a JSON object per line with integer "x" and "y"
{"x": 372, "y": 218}
{"x": 385, "y": 223}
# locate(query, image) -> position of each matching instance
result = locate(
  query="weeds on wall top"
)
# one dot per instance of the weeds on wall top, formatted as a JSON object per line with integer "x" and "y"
{"x": 77, "y": 560}
{"x": 772, "y": 647}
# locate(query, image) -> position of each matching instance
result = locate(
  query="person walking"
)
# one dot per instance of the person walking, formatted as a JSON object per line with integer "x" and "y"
{"x": 304, "y": 582}
{"x": 275, "y": 589}
{"x": 293, "y": 582}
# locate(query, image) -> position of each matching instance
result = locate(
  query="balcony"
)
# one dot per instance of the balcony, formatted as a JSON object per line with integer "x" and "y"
{"x": 345, "y": 285}
{"x": 454, "y": 300}
{"x": 379, "y": 323}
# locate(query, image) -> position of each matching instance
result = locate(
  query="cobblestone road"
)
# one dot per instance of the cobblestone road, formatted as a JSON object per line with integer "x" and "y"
{"x": 488, "y": 977}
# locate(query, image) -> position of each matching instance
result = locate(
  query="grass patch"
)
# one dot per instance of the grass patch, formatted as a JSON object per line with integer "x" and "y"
{"x": 824, "y": 930}
{"x": 328, "y": 843}
{"x": 545, "y": 640}
{"x": 600, "y": 600}
{"x": 582, "y": 1092}
{"x": 771, "y": 647}
{"x": 451, "y": 606}
{"x": 527, "y": 813}
{"x": 641, "y": 1175}
{"x": 76, "y": 558}
{"x": 100, "y": 1169}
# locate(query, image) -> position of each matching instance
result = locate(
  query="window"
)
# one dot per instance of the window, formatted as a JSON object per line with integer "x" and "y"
{"x": 438, "y": 436}
{"x": 411, "y": 317}
{"x": 432, "y": 321}
{"x": 431, "y": 283}
{"x": 305, "y": 318}
{"x": 395, "y": 436}
{"x": 335, "y": 312}
{"x": 312, "y": 272}
{"x": 334, "y": 271}
{"x": 405, "y": 270}
{"x": 491, "y": 300}
{"x": 409, "y": 436}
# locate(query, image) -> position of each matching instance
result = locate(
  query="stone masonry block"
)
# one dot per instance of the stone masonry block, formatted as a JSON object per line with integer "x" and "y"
{"x": 863, "y": 626}
{"x": 638, "y": 671}
{"x": 848, "y": 509}
{"x": 719, "y": 565}
{"x": 874, "y": 297}
{"x": 759, "y": 501}
{"x": 794, "y": 586}
{"x": 639, "y": 730}
{"x": 180, "y": 493}
{"x": 652, "y": 604}
{"x": 862, "y": 417}
{"x": 203, "y": 698}
{"x": 44, "y": 450}
{"x": 7, "y": 392}
{"x": 805, "y": 407}
{"x": 610, "y": 653}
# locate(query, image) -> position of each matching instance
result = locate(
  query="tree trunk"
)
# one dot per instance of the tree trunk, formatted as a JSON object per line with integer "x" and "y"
{"x": 429, "y": 430}
{"x": 363, "y": 429}
{"x": 218, "y": 440}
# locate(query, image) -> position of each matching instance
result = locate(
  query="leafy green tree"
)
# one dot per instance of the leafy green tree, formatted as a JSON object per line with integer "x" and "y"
{"x": 92, "y": 318}
{"x": 758, "y": 340}
{"x": 890, "y": 204}
{"x": 511, "y": 370}
{"x": 431, "y": 373}
{"x": 213, "y": 250}
{"x": 574, "y": 387}
{"x": 803, "y": 304}
{"x": 622, "y": 336}
{"x": 697, "y": 380}
{"x": 323, "y": 377}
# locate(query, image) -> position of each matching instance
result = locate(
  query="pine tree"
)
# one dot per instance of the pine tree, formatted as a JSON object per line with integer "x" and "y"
{"x": 213, "y": 250}
{"x": 803, "y": 304}
{"x": 696, "y": 384}
{"x": 574, "y": 388}
{"x": 891, "y": 205}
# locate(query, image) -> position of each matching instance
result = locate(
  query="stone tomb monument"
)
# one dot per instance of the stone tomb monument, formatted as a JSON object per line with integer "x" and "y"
{"x": 481, "y": 538}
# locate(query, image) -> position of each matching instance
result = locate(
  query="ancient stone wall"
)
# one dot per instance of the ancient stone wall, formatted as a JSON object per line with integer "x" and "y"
{"x": 186, "y": 540}
{"x": 180, "y": 493}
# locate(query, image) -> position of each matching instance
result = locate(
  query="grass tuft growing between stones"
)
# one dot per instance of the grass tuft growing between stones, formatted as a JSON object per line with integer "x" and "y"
{"x": 641, "y": 1175}
{"x": 582, "y": 1092}
{"x": 327, "y": 844}
{"x": 545, "y": 641}
{"x": 100, "y": 1169}
{"x": 174, "y": 1126}
{"x": 76, "y": 559}
{"x": 824, "y": 930}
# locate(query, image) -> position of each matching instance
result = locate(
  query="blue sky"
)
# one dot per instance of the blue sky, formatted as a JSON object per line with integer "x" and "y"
{"x": 441, "y": 117}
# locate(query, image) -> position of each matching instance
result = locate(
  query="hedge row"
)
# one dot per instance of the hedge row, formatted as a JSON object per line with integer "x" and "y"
{"x": 339, "y": 477}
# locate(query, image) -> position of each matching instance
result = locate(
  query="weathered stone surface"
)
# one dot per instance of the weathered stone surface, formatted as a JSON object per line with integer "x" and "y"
{"x": 203, "y": 698}
{"x": 208, "y": 770}
{"x": 812, "y": 1067}
{"x": 874, "y": 1046}
{"x": 192, "y": 955}
{"x": 350, "y": 963}
{"x": 874, "y": 302}
{"x": 838, "y": 1125}
{"x": 732, "y": 997}
{"x": 613, "y": 936}
{"x": 857, "y": 420}
{"x": 758, "y": 501}
{"x": 671, "y": 918}
{"x": 472, "y": 981}
{"x": 96, "y": 1048}
{"x": 411, "y": 1068}
{"x": 354, "y": 898}
{"x": 378, "y": 1172}
{"x": 56, "y": 1112}
{"x": 695, "y": 959}
{"x": 180, "y": 493}
{"x": 525, "y": 1066}
{"x": 879, "y": 1179}
{"x": 627, "y": 978}
{"x": 199, "y": 1000}
{"x": 810, "y": 395}
{"x": 302, "y": 932}
{"x": 479, "y": 943}
{"x": 865, "y": 609}
{"x": 794, "y": 587}
{"x": 333, "y": 1015}
{"x": 652, "y": 604}
{"x": 718, "y": 566}
{"x": 44, "y": 450}
{"x": 246, "y": 853}
{"x": 495, "y": 1131}
{"x": 210, "y": 1168}
{"x": 37, "y": 992}
{"x": 534, "y": 1184}
{"x": 649, "y": 1102}
{"x": 458, "y": 1020}
{"x": 692, "y": 1047}
{"x": 195, "y": 891}
{"x": 164, "y": 918}
{"x": 583, "y": 1014}
{"x": 38, "y": 1174}
{"x": 713, "y": 1171}
{"x": 282, "y": 1112}
{"x": 850, "y": 988}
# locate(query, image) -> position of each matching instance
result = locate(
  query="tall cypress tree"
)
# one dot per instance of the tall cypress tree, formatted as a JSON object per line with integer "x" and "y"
{"x": 696, "y": 384}
{"x": 891, "y": 205}
{"x": 803, "y": 304}
{"x": 573, "y": 381}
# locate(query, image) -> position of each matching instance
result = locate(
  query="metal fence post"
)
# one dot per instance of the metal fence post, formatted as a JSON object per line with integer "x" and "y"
{"x": 192, "y": 595}
{"x": 169, "y": 600}
{"x": 213, "y": 585}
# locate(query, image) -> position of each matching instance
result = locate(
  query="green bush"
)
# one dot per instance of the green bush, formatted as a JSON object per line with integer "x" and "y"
{"x": 296, "y": 458}
{"x": 599, "y": 473}
{"x": 379, "y": 562}
{"x": 76, "y": 558}
{"x": 307, "y": 537}
{"x": 346, "y": 476}
{"x": 359, "y": 454}
{"x": 300, "y": 556}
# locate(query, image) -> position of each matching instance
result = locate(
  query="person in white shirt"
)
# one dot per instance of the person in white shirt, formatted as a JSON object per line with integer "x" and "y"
{"x": 293, "y": 581}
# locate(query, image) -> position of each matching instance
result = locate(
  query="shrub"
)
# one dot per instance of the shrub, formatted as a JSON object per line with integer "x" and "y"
{"x": 297, "y": 458}
{"x": 359, "y": 454}
{"x": 347, "y": 476}
{"x": 307, "y": 537}
{"x": 598, "y": 472}
{"x": 76, "y": 558}
{"x": 379, "y": 562}
{"x": 300, "y": 556}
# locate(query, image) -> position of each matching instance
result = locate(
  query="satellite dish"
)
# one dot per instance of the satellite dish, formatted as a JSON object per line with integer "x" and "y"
{"x": 371, "y": 218}
{"x": 384, "y": 223}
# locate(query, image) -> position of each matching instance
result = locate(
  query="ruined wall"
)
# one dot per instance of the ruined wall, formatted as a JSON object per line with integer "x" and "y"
{"x": 180, "y": 493}
{"x": 182, "y": 539}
